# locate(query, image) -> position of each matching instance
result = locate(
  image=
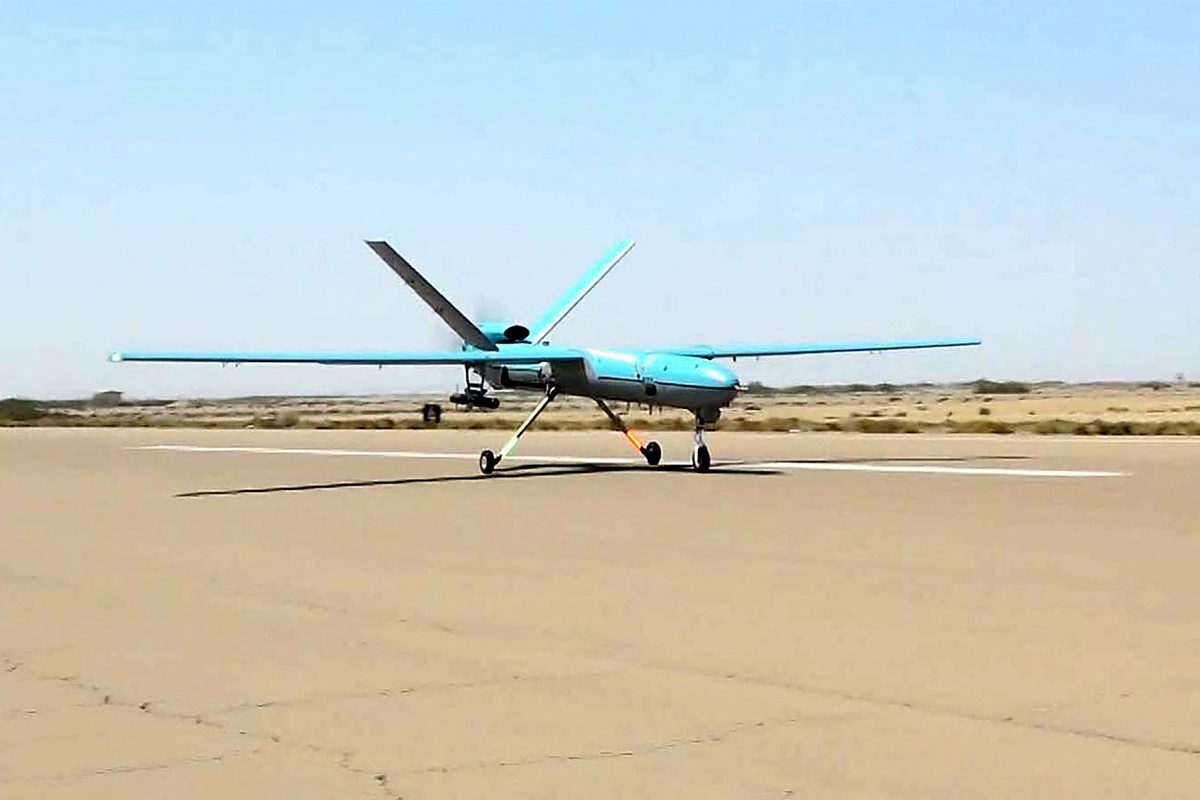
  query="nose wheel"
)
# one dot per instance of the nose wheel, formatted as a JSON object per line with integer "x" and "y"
{"x": 701, "y": 461}
{"x": 653, "y": 453}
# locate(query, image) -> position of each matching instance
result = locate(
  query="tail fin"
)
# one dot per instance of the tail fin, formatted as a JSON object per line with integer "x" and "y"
{"x": 457, "y": 321}
{"x": 554, "y": 315}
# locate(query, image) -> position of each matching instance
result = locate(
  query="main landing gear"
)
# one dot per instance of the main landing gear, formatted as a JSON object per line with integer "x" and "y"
{"x": 488, "y": 460}
{"x": 650, "y": 450}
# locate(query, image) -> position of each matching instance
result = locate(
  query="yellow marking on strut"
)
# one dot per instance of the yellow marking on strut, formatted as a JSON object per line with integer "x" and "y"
{"x": 509, "y": 446}
{"x": 633, "y": 439}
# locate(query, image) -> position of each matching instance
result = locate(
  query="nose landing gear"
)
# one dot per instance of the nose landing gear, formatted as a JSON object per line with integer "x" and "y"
{"x": 701, "y": 461}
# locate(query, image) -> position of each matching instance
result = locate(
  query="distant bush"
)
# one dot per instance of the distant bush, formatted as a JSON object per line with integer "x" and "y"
{"x": 984, "y": 386}
{"x": 1100, "y": 427}
{"x": 981, "y": 426}
{"x": 14, "y": 409}
{"x": 876, "y": 425}
{"x": 984, "y": 411}
{"x": 862, "y": 388}
{"x": 288, "y": 419}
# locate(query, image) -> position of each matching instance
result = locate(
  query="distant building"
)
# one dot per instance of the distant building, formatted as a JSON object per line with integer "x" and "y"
{"x": 107, "y": 398}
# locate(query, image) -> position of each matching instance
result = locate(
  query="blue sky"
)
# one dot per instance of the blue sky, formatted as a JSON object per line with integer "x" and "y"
{"x": 202, "y": 176}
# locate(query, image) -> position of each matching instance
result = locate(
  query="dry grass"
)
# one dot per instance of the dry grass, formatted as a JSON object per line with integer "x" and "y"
{"x": 1088, "y": 410}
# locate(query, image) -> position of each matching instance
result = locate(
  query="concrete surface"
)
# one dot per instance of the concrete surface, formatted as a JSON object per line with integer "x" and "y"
{"x": 281, "y": 624}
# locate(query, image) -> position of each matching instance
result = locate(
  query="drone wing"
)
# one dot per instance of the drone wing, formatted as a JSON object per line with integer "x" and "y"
{"x": 512, "y": 354}
{"x": 813, "y": 348}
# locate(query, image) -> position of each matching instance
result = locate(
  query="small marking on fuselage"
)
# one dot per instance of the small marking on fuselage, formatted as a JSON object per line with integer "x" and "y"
{"x": 817, "y": 466}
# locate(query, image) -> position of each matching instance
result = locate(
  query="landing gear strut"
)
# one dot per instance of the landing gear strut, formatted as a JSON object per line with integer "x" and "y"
{"x": 700, "y": 458}
{"x": 650, "y": 450}
{"x": 488, "y": 460}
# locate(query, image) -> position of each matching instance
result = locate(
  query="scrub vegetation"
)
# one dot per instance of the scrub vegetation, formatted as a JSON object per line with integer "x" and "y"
{"x": 977, "y": 407}
{"x": 15, "y": 409}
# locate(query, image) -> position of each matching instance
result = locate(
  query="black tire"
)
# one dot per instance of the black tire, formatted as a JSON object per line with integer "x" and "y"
{"x": 653, "y": 453}
{"x": 487, "y": 462}
{"x": 700, "y": 459}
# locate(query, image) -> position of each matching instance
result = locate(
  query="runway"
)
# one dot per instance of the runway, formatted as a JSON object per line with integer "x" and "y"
{"x": 360, "y": 614}
{"x": 637, "y": 461}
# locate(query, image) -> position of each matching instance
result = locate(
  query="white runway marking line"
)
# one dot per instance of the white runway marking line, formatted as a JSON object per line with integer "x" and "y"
{"x": 934, "y": 470}
{"x": 817, "y": 466}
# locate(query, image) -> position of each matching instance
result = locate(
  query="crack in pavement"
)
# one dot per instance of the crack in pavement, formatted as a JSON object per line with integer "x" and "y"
{"x": 341, "y": 758}
{"x": 401, "y": 691}
{"x": 933, "y": 709}
{"x": 1015, "y": 720}
{"x": 124, "y": 769}
{"x": 738, "y": 728}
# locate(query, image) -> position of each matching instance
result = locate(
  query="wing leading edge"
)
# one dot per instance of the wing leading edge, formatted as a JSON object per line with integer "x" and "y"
{"x": 508, "y": 355}
{"x": 814, "y": 348}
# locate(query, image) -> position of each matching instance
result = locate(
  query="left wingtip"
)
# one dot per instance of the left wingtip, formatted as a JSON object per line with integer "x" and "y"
{"x": 115, "y": 357}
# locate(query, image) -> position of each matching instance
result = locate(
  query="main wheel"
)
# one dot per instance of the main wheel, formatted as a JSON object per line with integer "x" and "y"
{"x": 700, "y": 459}
{"x": 653, "y": 453}
{"x": 487, "y": 462}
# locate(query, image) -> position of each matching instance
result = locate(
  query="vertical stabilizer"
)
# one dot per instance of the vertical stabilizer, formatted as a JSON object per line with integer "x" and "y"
{"x": 458, "y": 322}
{"x": 554, "y": 315}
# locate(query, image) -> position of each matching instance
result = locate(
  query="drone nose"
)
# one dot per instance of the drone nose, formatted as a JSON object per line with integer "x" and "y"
{"x": 720, "y": 378}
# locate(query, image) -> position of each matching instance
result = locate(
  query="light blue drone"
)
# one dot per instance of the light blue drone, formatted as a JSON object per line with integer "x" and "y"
{"x": 513, "y": 356}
